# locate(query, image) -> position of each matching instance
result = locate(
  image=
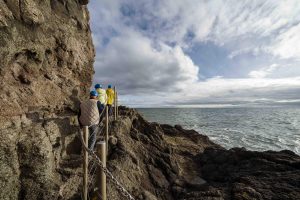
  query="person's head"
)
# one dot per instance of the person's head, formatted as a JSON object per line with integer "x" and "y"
{"x": 93, "y": 94}
{"x": 109, "y": 86}
{"x": 98, "y": 86}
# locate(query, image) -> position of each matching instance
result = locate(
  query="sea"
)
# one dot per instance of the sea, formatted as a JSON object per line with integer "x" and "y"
{"x": 255, "y": 128}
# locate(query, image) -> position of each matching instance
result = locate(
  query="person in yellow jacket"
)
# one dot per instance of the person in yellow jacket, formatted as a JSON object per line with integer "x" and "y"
{"x": 110, "y": 97}
{"x": 102, "y": 96}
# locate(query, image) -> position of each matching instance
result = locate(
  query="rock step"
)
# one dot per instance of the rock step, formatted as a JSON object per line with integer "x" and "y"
{"x": 73, "y": 161}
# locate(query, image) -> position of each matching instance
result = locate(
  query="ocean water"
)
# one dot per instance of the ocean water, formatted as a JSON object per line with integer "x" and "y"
{"x": 258, "y": 129}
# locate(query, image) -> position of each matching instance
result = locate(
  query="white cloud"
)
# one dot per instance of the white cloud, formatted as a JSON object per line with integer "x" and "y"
{"x": 285, "y": 69}
{"x": 262, "y": 73}
{"x": 239, "y": 90}
{"x": 223, "y": 91}
{"x": 136, "y": 66}
{"x": 287, "y": 44}
{"x": 144, "y": 53}
{"x": 240, "y": 24}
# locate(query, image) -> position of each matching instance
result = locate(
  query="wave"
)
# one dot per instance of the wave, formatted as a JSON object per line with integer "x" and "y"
{"x": 253, "y": 128}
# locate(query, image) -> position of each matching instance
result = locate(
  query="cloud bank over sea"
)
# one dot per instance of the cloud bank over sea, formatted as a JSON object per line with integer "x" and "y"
{"x": 194, "y": 52}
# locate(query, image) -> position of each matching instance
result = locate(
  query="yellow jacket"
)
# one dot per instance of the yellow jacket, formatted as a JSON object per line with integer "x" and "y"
{"x": 102, "y": 95}
{"x": 110, "y": 96}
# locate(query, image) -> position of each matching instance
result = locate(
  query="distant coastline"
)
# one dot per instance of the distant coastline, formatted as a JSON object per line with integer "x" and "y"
{"x": 254, "y": 105}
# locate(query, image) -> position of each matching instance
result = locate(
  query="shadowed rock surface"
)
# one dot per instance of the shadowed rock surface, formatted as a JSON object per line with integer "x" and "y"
{"x": 243, "y": 174}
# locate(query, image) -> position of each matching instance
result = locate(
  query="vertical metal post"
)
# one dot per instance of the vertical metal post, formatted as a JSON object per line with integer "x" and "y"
{"x": 101, "y": 151}
{"x": 106, "y": 128}
{"x": 85, "y": 162}
{"x": 115, "y": 103}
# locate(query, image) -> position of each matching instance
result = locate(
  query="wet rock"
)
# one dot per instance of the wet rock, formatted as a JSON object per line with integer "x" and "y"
{"x": 252, "y": 175}
{"x": 178, "y": 127}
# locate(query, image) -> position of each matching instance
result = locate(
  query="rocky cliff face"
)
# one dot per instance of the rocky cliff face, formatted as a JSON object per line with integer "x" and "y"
{"x": 46, "y": 59}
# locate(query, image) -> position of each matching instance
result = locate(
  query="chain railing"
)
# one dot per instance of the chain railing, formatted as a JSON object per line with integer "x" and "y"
{"x": 118, "y": 185}
{"x": 64, "y": 190}
{"x": 95, "y": 158}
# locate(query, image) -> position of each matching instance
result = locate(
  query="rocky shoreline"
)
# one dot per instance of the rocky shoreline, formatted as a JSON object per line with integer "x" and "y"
{"x": 158, "y": 161}
{"x": 153, "y": 162}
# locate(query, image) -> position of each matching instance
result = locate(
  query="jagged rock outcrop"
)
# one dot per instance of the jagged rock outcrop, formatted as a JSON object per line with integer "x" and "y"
{"x": 154, "y": 161}
{"x": 46, "y": 67}
{"x": 157, "y": 161}
{"x": 242, "y": 174}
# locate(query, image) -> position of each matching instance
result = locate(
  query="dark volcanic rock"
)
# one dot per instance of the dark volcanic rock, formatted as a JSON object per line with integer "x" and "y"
{"x": 169, "y": 162}
{"x": 252, "y": 175}
{"x": 153, "y": 159}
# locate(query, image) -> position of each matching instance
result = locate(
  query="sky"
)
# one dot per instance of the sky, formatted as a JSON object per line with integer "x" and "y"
{"x": 166, "y": 53}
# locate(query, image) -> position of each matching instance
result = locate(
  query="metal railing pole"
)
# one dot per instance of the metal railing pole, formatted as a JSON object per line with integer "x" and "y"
{"x": 115, "y": 103}
{"x": 101, "y": 152}
{"x": 85, "y": 163}
{"x": 106, "y": 128}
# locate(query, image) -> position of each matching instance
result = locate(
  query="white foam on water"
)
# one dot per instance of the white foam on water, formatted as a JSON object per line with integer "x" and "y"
{"x": 256, "y": 129}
